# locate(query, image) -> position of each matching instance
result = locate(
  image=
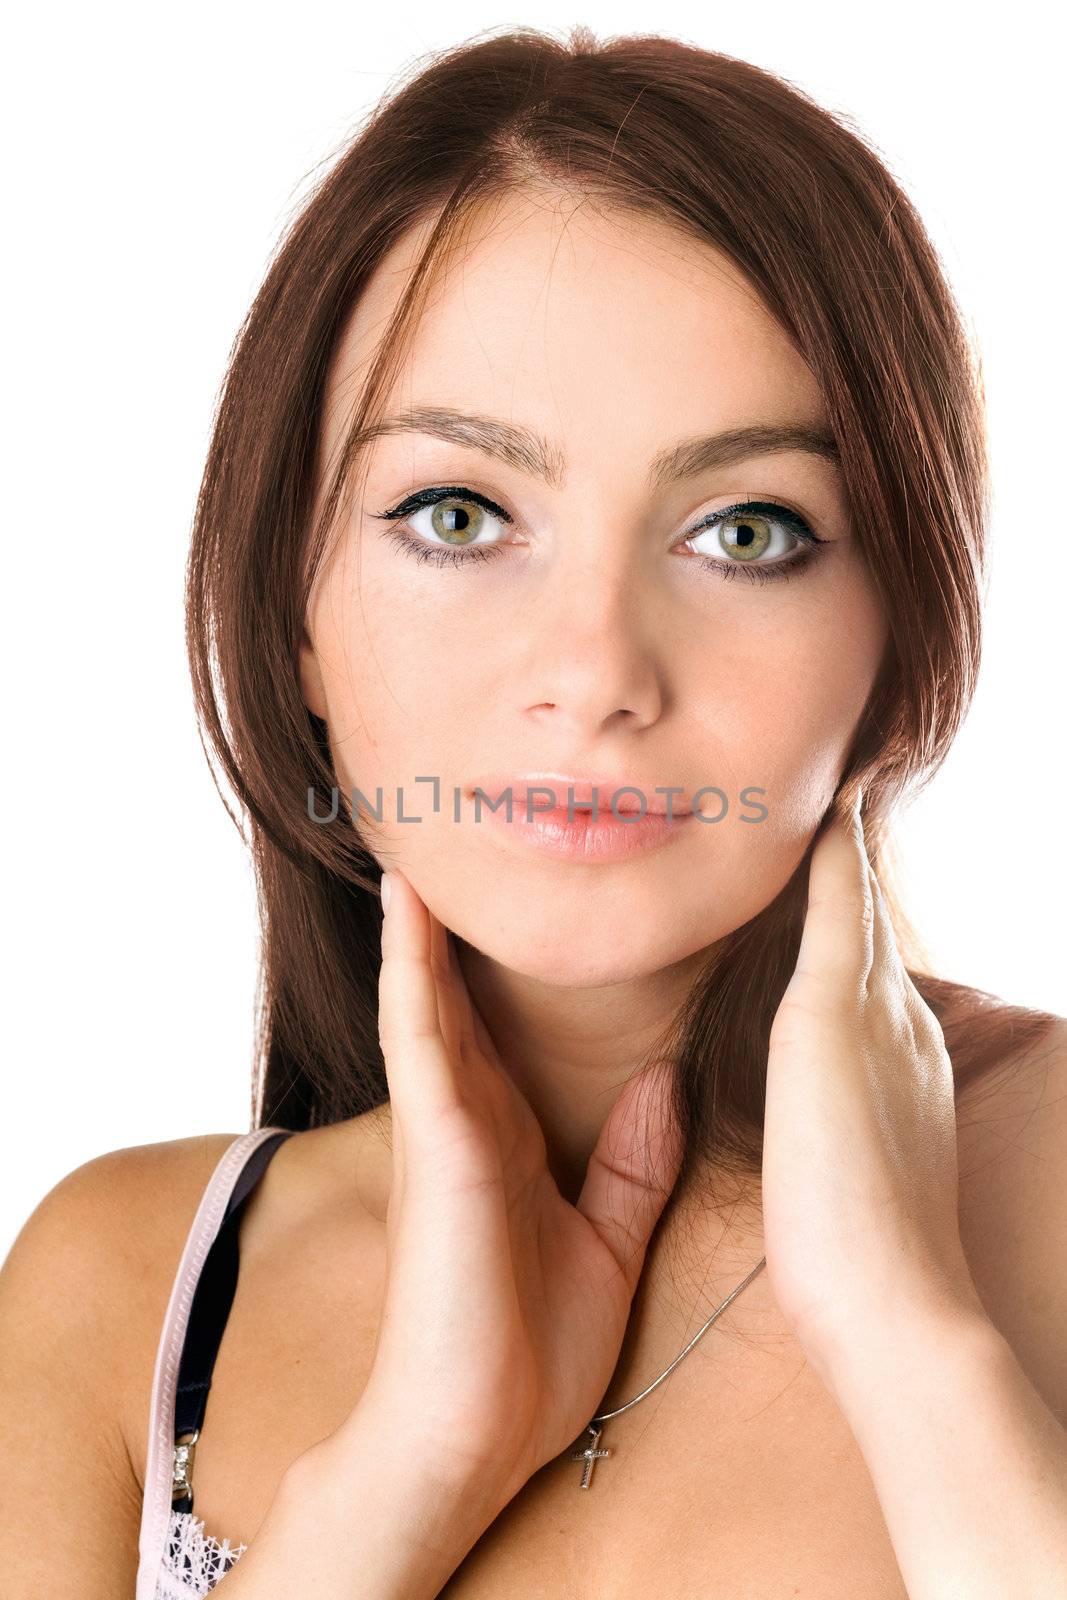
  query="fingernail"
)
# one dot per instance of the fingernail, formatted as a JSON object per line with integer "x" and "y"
{"x": 387, "y": 889}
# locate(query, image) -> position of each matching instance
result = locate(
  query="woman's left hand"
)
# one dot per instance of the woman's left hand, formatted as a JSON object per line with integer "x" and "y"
{"x": 860, "y": 1180}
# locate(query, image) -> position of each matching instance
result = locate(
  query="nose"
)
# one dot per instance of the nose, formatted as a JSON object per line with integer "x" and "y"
{"x": 595, "y": 663}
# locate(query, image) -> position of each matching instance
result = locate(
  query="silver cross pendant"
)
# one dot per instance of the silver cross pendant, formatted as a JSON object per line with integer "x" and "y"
{"x": 590, "y": 1455}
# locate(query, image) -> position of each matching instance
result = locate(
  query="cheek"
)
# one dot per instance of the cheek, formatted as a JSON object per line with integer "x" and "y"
{"x": 789, "y": 740}
{"x": 401, "y": 690}
{"x": 778, "y": 714}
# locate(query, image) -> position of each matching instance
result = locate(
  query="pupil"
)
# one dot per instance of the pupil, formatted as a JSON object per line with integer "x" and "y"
{"x": 745, "y": 534}
{"x": 457, "y": 526}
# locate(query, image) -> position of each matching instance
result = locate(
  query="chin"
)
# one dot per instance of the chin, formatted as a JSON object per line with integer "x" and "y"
{"x": 585, "y": 956}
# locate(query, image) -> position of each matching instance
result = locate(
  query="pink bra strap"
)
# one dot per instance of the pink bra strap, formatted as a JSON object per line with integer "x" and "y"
{"x": 156, "y": 1507}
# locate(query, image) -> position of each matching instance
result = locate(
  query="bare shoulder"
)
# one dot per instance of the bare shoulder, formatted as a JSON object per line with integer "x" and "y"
{"x": 1012, "y": 1141}
{"x": 87, "y": 1276}
{"x": 107, "y": 1240}
{"x": 85, "y": 1287}
{"x": 1022, "y": 1098}
{"x": 143, "y": 1184}
{"x": 119, "y": 1217}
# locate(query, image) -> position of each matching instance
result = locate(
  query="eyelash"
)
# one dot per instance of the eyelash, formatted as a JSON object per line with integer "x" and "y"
{"x": 440, "y": 556}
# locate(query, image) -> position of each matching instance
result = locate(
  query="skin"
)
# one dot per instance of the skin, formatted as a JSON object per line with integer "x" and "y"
{"x": 591, "y": 640}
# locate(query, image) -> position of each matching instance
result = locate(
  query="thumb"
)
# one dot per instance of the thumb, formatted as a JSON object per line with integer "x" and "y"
{"x": 633, "y": 1168}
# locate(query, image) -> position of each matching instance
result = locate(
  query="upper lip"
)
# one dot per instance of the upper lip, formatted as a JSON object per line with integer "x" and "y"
{"x": 561, "y": 783}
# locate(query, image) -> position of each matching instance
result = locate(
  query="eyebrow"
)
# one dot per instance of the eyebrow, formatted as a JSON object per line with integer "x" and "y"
{"x": 530, "y": 452}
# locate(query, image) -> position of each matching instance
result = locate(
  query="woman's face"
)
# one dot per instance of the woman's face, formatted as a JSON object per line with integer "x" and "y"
{"x": 597, "y": 620}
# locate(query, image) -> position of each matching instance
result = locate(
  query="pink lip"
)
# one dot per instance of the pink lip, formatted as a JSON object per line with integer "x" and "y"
{"x": 635, "y": 797}
{"x": 567, "y": 832}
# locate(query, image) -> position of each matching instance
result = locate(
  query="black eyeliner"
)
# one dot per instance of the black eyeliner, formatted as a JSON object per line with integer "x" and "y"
{"x": 429, "y": 497}
{"x": 762, "y": 508}
{"x": 771, "y": 508}
{"x": 442, "y": 555}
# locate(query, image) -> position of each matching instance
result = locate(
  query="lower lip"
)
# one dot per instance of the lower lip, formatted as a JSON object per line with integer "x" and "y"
{"x": 576, "y": 837}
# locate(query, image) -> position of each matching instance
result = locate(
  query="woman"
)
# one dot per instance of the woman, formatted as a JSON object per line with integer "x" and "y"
{"x": 579, "y": 356}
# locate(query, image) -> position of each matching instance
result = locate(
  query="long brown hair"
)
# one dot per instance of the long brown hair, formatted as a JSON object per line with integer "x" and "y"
{"x": 806, "y": 210}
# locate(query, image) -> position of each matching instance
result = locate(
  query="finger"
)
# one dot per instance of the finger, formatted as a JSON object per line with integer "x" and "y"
{"x": 464, "y": 1008}
{"x": 473, "y": 1030}
{"x": 890, "y": 962}
{"x": 441, "y": 967}
{"x": 633, "y": 1168}
{"x": 484, "y": 1039}
{"x": 887, "y": 969}
{"x": 837, "y": 941}
{"x": 419, "y": 1069}
{"x": 883, "y": 945}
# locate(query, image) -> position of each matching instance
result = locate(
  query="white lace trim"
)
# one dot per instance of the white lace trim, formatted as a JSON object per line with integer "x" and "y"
{"x": 193, "y": 1561}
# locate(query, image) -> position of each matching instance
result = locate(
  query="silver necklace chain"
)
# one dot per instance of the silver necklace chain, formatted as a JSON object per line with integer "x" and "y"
{"x": 591, "y": 1454}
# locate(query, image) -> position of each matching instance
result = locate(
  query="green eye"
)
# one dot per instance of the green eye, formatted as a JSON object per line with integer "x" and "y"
{"x": 457, "y": 518}
{"x": 743, "y": 533}
{"x": 746, "y": 537}
{"x": 452, "y": 520}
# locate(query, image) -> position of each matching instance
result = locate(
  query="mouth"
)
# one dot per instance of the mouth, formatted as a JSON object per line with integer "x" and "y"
{"x": 606, "y": 827}
{"x": 548, "y": 792}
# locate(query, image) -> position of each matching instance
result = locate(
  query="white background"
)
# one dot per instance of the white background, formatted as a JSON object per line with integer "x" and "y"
{"x": 153, "y": 156}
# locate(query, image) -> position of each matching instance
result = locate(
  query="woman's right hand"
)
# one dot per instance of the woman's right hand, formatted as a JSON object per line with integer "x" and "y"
{"x": 505, "y": 1305}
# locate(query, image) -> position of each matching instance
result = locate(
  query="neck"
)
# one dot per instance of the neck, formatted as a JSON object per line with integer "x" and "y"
{"x": 570, "y": 1050}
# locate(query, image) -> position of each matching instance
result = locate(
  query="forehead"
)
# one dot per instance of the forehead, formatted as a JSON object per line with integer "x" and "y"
{"x": 559, "y": 313}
